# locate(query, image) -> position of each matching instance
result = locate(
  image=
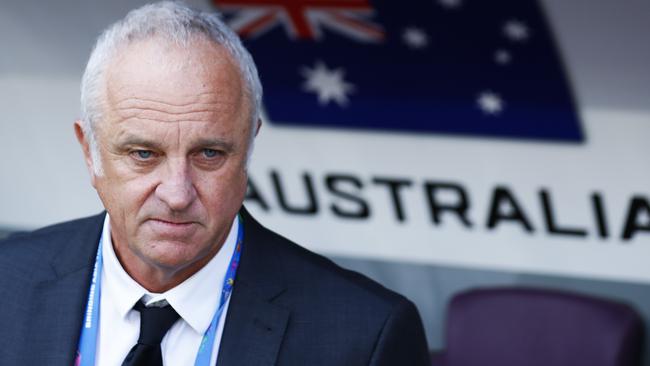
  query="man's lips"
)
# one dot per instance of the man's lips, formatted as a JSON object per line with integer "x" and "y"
{"x": 172, "y": 222}
{"x": 176, "y": 228}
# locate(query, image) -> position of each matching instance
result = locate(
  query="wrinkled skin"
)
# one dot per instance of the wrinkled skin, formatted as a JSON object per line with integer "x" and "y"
{"x": 173, "y": 141}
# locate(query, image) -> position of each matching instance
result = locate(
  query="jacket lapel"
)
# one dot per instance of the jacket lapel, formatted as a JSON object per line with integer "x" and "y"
{"x": 255, "y": 324}
{"x": 58, "y": 312}
{"x": 59, "y": 299}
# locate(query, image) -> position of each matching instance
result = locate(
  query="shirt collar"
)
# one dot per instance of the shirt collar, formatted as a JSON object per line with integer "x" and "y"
{"x": 196, "y": 299}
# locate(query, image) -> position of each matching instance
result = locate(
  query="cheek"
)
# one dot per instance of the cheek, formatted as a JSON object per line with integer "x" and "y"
{"x": 224, "y": 192}
{"x": 122, "y": 197}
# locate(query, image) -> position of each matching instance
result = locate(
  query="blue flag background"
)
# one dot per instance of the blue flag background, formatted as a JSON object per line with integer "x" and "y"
{"x": 482, "y": 68}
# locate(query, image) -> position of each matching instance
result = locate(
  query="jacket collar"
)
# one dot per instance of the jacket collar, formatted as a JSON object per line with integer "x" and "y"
{"x": 256, "y": 322}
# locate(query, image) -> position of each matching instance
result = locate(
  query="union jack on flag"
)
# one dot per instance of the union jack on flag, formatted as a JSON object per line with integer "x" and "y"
{"x": 304, "y": 19}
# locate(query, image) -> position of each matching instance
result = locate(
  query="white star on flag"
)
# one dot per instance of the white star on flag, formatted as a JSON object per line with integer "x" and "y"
{"x": 490, "y": 103}
{"x": 516, "y": 31}
{"x": 328, "y": 84}
{"x": 502, "y": 57}
{"x": 450, "y": 4}
{"x": 415, "y": 37}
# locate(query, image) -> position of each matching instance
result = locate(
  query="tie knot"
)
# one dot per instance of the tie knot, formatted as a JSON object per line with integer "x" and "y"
{"x": 154, "y": 323}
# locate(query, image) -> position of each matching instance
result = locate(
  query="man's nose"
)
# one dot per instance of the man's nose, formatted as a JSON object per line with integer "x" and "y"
{"x": 176, "y": 187}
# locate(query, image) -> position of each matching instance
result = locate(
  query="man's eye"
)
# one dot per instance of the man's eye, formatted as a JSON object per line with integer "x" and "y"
{"x": 143, "y": 154}
{"x": 210, "y": 153}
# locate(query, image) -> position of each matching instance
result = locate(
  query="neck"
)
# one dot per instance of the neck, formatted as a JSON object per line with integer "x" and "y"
{"x": 155, "y": 277}
{"x": 159, "y": 277}
{"x": 159, "y": 280}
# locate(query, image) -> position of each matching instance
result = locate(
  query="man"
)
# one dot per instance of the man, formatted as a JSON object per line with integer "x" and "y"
{"x": 176, "y": 272}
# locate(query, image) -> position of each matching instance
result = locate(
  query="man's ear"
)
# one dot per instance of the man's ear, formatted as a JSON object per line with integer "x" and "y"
{"x": 85, "y": 147}
{"x": 258, "y": 126}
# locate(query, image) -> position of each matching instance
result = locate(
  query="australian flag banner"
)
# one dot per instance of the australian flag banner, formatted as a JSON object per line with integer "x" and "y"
{"x": 463, "y": 67}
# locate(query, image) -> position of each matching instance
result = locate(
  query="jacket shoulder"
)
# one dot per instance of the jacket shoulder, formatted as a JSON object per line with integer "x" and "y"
{"x": 309, "y": 272}
{"x": 50, "y": 233}
{"x": 28, "y": 251}
{"x": 361, "y": 321}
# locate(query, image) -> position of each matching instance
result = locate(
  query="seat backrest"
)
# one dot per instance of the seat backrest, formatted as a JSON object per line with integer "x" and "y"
{"x": 535, "y": 327}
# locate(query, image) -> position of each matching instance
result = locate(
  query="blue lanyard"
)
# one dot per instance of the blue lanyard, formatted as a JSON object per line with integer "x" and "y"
{"x": 88, "y": 340}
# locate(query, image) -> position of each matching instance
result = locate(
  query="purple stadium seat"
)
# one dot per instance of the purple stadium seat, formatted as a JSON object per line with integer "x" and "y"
{"x": 536, "y": 327}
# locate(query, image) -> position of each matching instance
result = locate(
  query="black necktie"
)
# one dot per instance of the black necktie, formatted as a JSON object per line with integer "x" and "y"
{"x": 154, "y": 323}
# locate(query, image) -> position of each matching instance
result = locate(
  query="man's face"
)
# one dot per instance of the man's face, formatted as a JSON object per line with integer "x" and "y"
{"x": 173, "y": 143}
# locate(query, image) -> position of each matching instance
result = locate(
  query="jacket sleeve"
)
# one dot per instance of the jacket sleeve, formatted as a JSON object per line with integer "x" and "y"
{"x": 402, "y": 340}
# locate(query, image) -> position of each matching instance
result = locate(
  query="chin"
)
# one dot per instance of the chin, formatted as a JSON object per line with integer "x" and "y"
{"x": 169, "y": 252}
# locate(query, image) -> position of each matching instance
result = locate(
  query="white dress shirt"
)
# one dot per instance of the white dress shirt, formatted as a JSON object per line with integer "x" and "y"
{"x": 195, "y": 300}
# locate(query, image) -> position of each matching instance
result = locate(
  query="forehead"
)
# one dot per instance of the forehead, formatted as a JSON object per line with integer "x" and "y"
{"x": 165, "y": 81}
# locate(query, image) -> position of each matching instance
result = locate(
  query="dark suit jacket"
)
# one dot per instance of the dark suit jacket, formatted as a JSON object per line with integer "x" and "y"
{"x": 289, "y": 306}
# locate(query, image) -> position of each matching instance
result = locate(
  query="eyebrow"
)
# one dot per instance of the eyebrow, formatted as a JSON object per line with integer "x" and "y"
{"x": 133, "y": 140}
{"x": 212, "y": 142}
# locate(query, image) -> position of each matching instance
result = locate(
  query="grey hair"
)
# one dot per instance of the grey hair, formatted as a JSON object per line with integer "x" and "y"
{"x": 175, "y": 22}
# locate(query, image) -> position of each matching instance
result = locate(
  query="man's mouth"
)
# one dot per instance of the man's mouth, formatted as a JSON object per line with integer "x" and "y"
{"x": 173, "y": 228}
{"x": 173, "y": 222}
